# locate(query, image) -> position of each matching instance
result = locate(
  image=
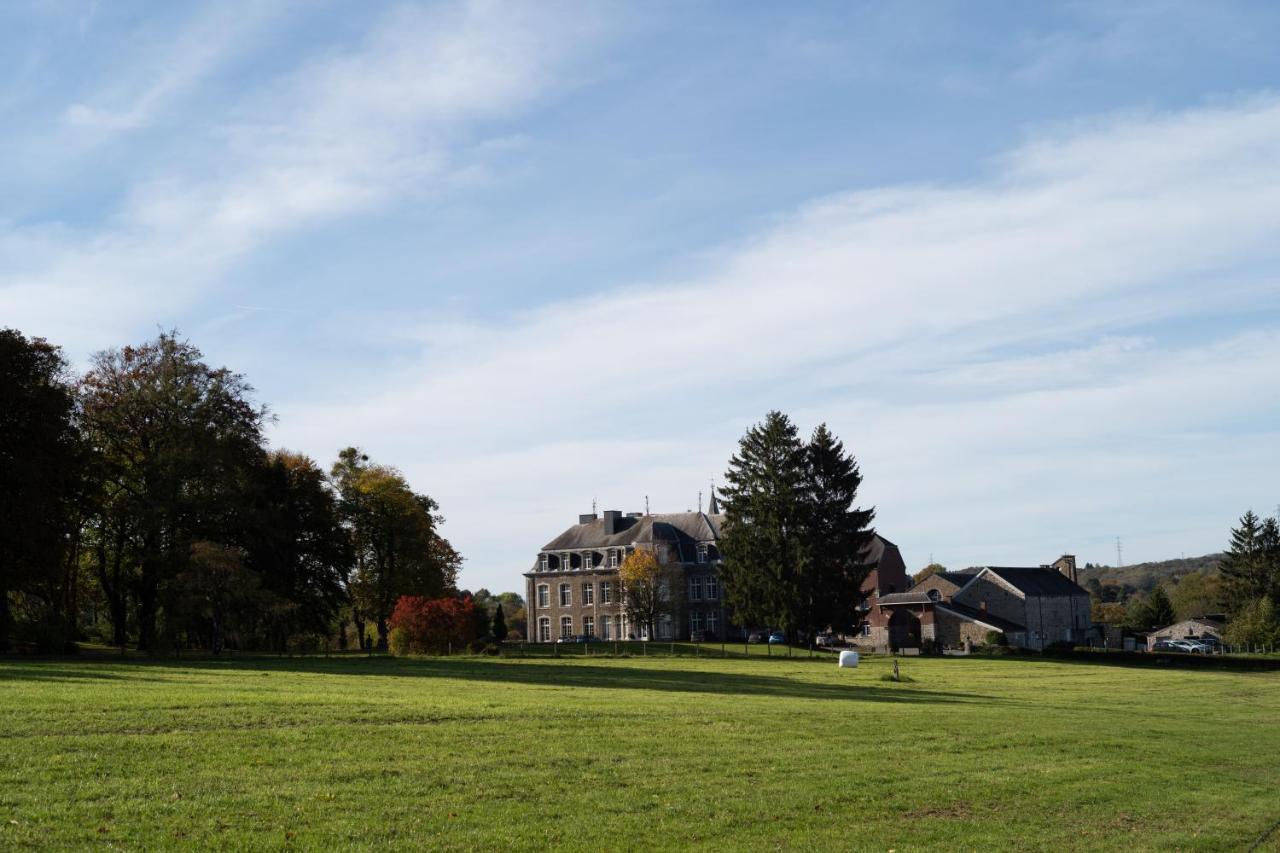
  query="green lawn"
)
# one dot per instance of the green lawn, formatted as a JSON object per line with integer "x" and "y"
{"x": 640, "y": 752}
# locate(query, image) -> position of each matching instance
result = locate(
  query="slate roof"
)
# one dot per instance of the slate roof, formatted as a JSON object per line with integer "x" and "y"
{"x": 1037, "y": 581}
{"x": 981, "y": 616}
{"x": 678, "y": 527}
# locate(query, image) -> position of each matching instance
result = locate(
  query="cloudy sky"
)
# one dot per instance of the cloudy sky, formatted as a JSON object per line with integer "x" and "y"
{"x": 1023, "y": 258}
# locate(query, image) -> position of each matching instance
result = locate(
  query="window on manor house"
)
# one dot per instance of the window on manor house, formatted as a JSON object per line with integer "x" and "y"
{"x": 544, "y": 563}
{"x": 713, "y": 589}
{"x": 613, "y": 558}
{"x": 588, "y": 594}
{"x": 566, "y": 626}
{"x": 695, "y": 620}
{"x": 588, "y": 625}
{"x": 544, "y": 595}
{"x": 566, "y": 595}
{"x": 606, "y": 592}
{"x": 713, "y": 623}
{"x": 588, "y": 560}
{"x": 866, "y": 629}
{"x": 606, "y": 624}
{"x": 695, "y": 589}
{"x": 702, "y": 552}
{"x": 544, "y": 630}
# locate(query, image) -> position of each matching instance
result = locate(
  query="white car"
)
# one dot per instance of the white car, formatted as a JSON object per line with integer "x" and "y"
{"x": 1190, "y": 646}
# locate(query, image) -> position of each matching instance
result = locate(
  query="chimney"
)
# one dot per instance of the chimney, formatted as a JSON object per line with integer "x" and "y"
{"x": 612, "y": 517}
{"x": 1066, "y": 565}
{"x": 587, "y": 518}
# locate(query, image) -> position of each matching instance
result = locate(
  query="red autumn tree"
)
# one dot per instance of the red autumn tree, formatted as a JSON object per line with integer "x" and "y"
{"x": 431, "y": 625}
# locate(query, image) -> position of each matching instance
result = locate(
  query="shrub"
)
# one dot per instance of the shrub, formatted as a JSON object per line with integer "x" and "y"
{"x": 433, "y": 626}
{"x": 996, "y": 638}
{"x": 398, "y": 641}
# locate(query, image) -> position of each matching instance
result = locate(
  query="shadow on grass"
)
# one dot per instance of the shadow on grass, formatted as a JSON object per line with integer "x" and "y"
{"x": 615, "y": 675}
{"x": 1140, "y": 660}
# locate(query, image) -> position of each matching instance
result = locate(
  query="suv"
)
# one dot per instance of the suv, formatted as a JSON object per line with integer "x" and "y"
{"x": 1191, "y": 646}
{"x": 777, "y": 637}
{"x": 826, "y": 640}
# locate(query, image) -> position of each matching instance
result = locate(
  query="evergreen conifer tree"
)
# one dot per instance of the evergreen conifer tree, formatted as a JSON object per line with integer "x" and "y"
{"x": 763, "y": 543}
{"x": 499, "y": 629}
{"x": 1251, "y": 568}
{"x": 1160, "y": 612}
{"x": 835, "y": 535}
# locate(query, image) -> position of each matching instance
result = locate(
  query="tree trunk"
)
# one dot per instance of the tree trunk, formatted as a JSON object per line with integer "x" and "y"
{"x": 382, "y": 634}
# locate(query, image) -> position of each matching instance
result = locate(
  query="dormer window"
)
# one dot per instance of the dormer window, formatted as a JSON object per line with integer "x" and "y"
{"x": 934, "y": 595}
{"x": 545, "y": 563}
{"x": 588, "y": 560}
{"x": 566, "y": 561}
{"x": 702, "y": 552}
{"x": 613, "y": 558}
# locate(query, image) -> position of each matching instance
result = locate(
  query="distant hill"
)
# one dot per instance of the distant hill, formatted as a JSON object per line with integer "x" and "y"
{"x": 1146, "y": 575}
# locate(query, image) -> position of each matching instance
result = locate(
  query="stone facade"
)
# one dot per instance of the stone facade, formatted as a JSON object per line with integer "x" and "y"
{"x": 585, "y": 559}
{"x": 1033, "y": 607}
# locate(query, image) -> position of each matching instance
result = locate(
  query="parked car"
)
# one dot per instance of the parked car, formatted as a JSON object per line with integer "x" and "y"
{"x": 1165, "y": 646}
{"x": 777, "y": 637}
{"x": 755, "y": 637}
{"x": 826, "y": 640}
{"x": 1190, "y": 646}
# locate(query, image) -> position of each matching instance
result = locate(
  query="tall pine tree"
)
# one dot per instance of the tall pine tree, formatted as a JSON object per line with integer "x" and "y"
{"x": 836, "y": 534}
{"x": 1251, "y": 568}
{"x": 764, "y": 530}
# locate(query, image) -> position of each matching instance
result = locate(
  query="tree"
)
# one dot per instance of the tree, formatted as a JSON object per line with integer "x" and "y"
{"x": 499, "y": 627}
{"x": 432, "y": 626}
{"x": 397, "y": 550}
{"x": 835, "y": 534}
{"x": 298, "y": 547}
{"x": 763, "y": 545}
{"x": 649, "y": 589}
{"x": 1160, "y": 608}
{"x": 41, "y": 471}
{"x": 1197, "y": 594}
{"x": 1251, "y": 567}
{"x": 1254, "y": 625}
{"x": 928, "y": 572}
{"x": 793, "y": 540}
{"x": 176, "y": 441}
{"x": 1137, "y": 614}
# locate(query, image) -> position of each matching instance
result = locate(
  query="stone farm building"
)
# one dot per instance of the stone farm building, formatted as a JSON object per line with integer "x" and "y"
{"x": 1032, "y": 607}
{"x": 572, "y": 588}
{"x": 1198, "y": 628}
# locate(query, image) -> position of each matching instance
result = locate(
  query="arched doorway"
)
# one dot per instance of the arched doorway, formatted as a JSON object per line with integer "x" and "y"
{"x": 904, "y": 630}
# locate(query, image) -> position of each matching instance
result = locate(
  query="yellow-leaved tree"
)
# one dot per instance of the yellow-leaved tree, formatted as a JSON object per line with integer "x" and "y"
{"x": 650, "y": 589}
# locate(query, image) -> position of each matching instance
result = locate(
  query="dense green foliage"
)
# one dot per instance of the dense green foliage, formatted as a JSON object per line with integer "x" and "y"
{"x": 754, "y": 754}
{"x": 42, "y": 472}
{"x": 141, "y": 504}
{"x": 793, "y": 541}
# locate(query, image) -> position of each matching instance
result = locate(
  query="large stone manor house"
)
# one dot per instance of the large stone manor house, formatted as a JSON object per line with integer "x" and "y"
{"x": 572, "y": 588}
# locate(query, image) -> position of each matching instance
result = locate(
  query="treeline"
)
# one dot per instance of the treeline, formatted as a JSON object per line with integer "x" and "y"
{"x": 1243, "y": 584}
{"x": 140, "y": 504}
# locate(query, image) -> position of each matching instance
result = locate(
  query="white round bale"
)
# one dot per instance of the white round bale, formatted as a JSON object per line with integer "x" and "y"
{"x": 849, "y": 659}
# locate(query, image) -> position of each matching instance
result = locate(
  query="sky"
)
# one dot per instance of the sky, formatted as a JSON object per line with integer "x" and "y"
{"x": 1024, "y": 259}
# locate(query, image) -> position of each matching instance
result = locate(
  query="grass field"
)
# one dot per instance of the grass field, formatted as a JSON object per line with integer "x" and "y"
{"x": 736, "y": 754}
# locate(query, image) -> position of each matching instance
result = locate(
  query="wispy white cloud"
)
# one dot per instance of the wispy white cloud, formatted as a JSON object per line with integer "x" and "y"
{"x": 337, "y": 137}
{"x": 970, "y": 342}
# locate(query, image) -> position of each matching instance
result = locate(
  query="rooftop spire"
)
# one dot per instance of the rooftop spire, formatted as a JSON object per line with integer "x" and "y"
{"x": 713, "y": 508}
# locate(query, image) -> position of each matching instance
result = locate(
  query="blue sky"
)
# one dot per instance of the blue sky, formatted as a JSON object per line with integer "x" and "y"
{"x": 1021, "y": 257}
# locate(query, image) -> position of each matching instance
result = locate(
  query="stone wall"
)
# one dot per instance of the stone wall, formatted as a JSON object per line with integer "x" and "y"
{"x": 1057, "y": 619}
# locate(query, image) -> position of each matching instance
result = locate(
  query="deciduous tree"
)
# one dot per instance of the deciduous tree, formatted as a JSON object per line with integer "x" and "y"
{"x": 650, "y": 589}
